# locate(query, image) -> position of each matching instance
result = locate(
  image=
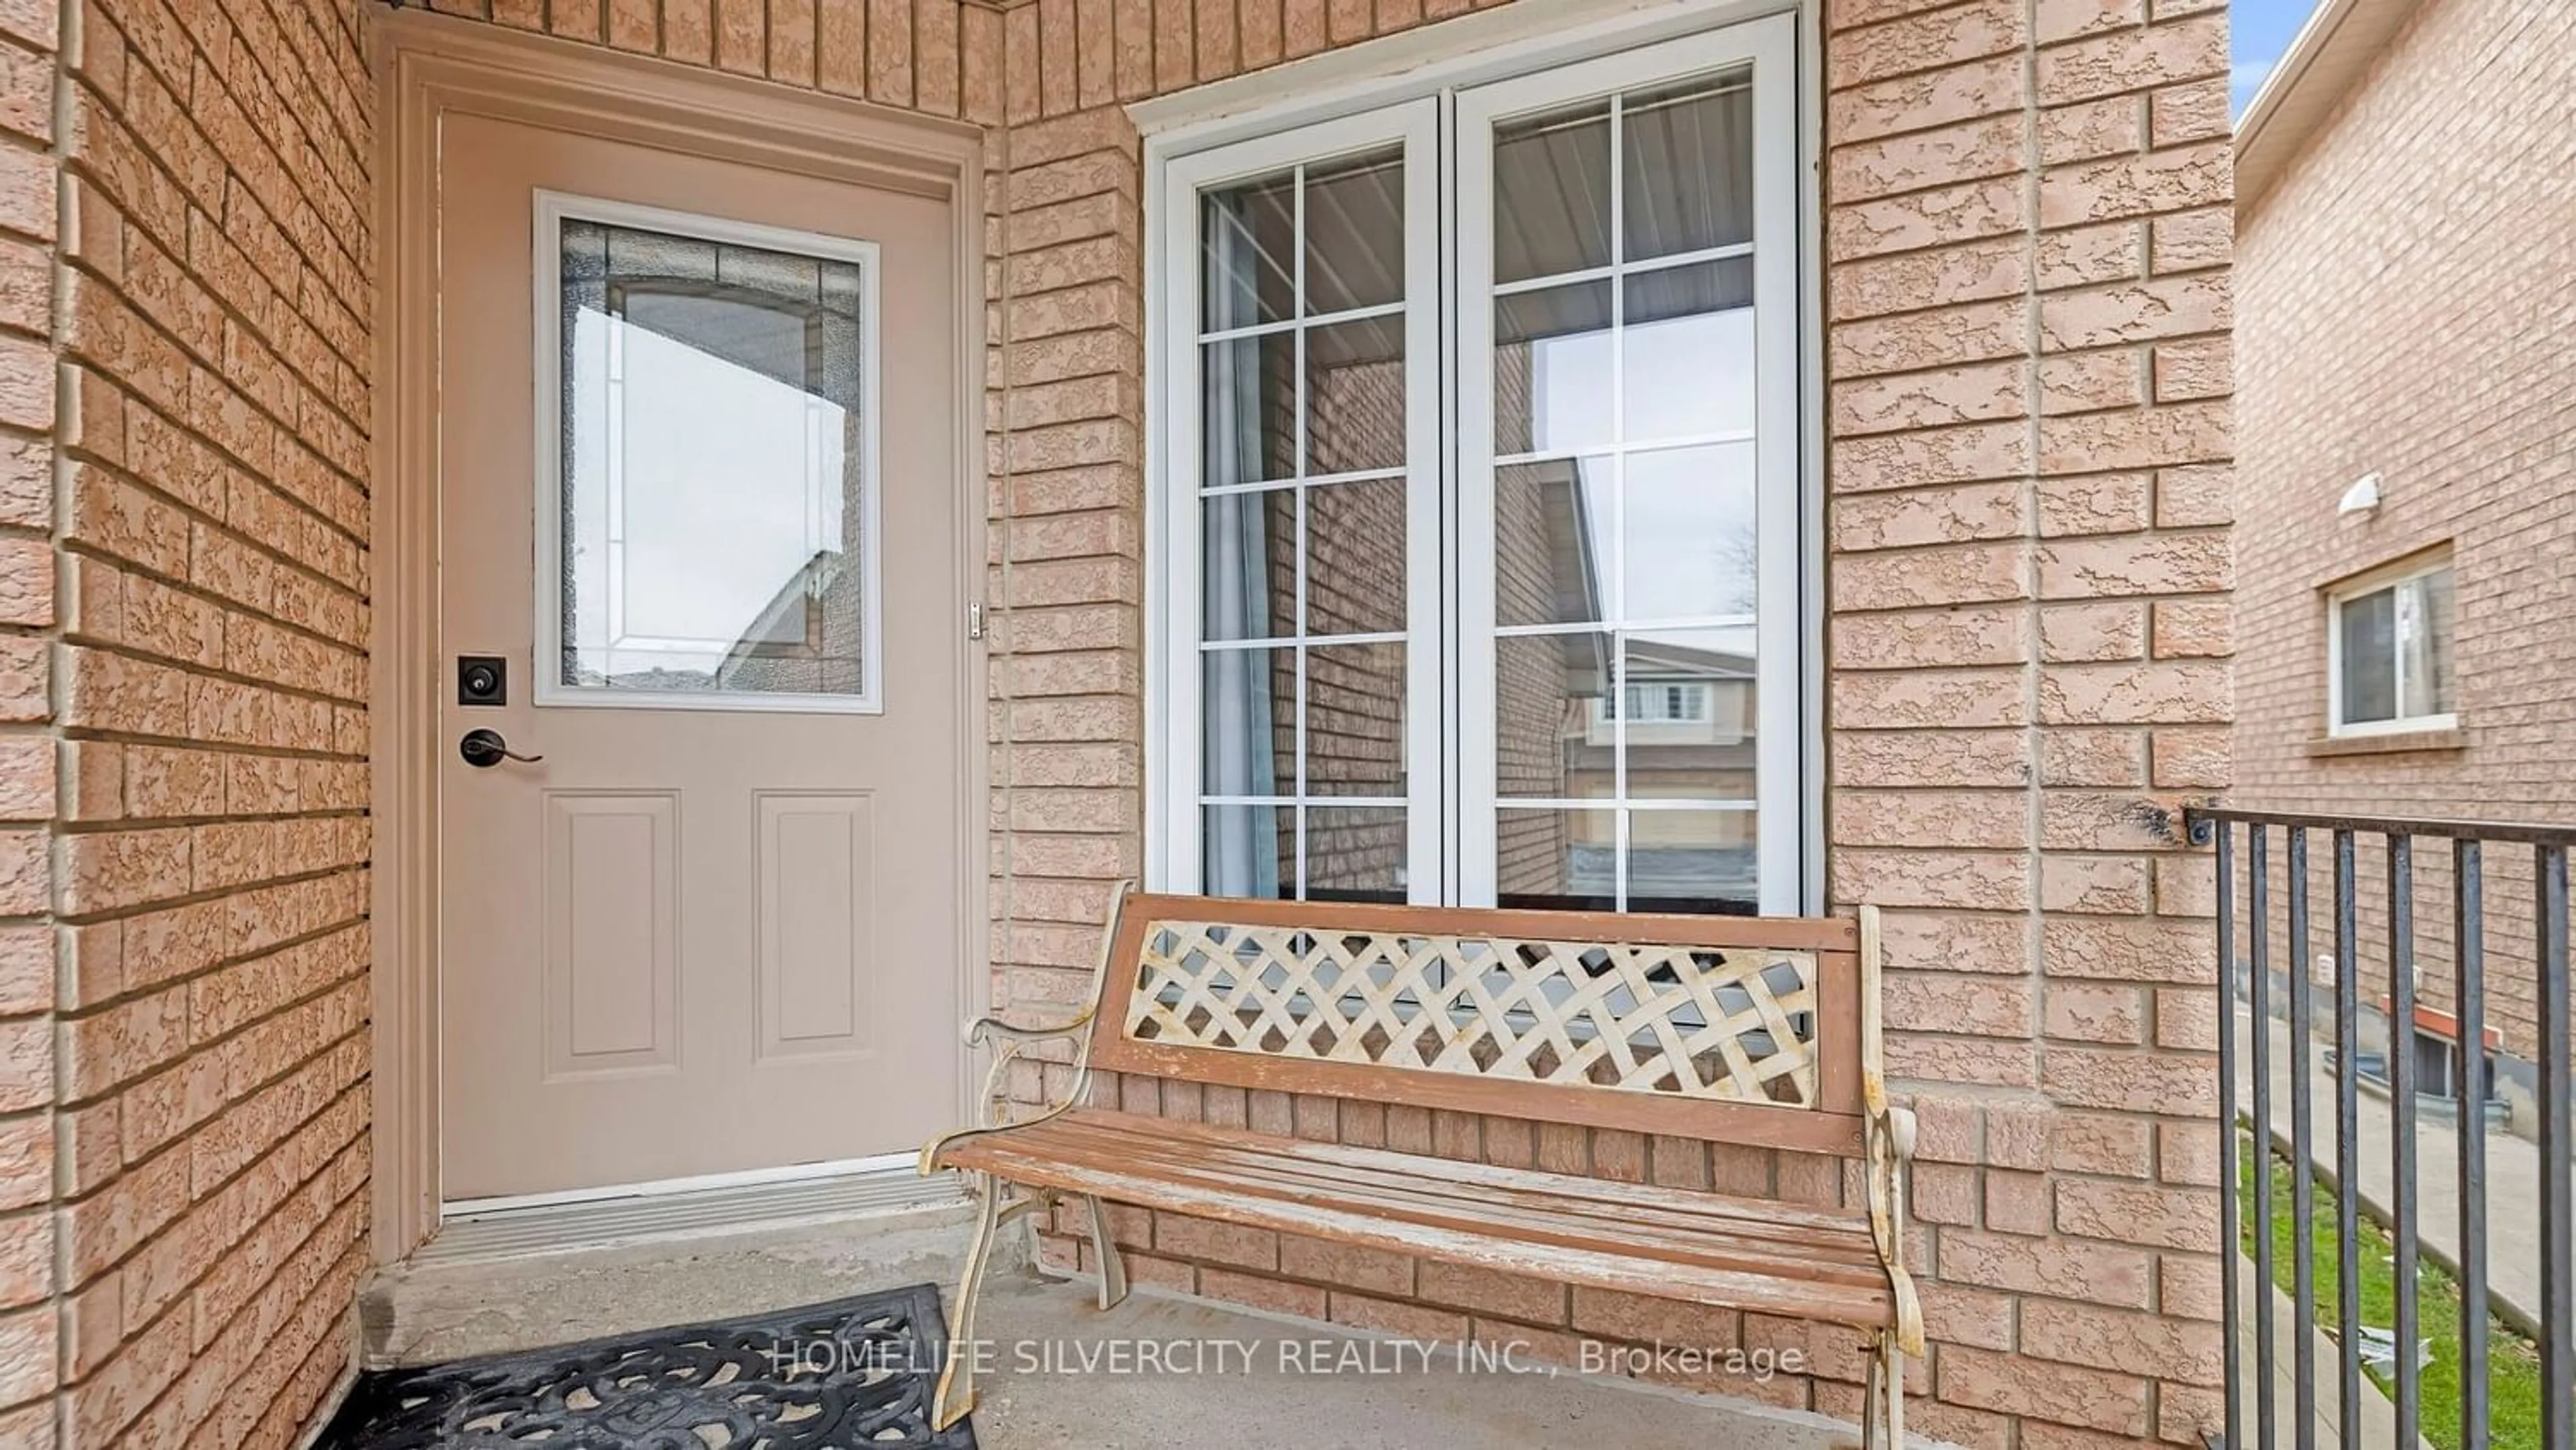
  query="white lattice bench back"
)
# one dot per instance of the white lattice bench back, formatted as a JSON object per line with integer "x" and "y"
{"x": 1736, "y": 1029}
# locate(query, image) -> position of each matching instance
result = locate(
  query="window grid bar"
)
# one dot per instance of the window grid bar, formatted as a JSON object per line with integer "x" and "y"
{"x": 1321, "y": 480}
{"x": 1396, "y": 802}
{"x": 1666, "y": 263}
{"x": 1604, "y": 803}
{"x": 1617, "y": 604}
{"x": 1604, "y": 626}
{"x": 1304, "y": 433}
{"x": 1673, "y": 444}
{"x": 1286, "y": 641}
{"x": 1301, "y": 322}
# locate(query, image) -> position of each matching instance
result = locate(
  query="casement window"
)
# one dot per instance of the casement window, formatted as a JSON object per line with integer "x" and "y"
{"x": 2388, "y": 650}
{"x": 1477, "y": 568}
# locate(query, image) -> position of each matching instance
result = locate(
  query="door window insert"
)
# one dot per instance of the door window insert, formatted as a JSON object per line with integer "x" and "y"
{"x": 707, "y": 493}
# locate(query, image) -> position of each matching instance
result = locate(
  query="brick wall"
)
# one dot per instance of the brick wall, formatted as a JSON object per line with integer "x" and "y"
{"x": 2030, "y": 632}
{"x": 30, "y": 1140}
{"x": 210, "y": 848}
{"x": 2406, "y": 293}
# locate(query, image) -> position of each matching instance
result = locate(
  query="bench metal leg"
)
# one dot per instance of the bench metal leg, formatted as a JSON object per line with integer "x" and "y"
{"x": 955, "y": 1397}
{"x": 1883, "y": 1407}
{"x": 1113, "y": 1268}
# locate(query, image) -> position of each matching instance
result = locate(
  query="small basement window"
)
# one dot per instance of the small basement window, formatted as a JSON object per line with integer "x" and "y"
{"x": 2389, "y": 642}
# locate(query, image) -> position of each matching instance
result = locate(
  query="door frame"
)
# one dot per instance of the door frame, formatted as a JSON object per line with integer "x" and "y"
{"x": 430, "y": 66}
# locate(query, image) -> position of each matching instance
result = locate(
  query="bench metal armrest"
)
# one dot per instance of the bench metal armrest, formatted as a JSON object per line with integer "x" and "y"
{"x": 1888, "y": 1138}
{"x": 1012, "y": 1042}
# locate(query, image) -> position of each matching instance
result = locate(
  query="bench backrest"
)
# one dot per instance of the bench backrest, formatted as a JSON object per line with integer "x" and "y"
{"x": 1731, "y": 1029}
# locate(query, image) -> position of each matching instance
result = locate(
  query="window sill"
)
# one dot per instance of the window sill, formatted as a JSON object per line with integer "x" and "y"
{"x": 2395, "y": 742}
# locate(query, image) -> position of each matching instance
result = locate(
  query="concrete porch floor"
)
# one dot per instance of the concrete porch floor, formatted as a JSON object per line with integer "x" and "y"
{"x": 442, "y": 1311}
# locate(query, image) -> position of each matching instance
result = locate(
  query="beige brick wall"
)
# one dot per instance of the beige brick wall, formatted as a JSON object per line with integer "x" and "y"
{"x": 31, "y": 1141}
{"x": 205, "y": 604}
{"x": 2029, "y": 590}
{"x": 2405, "y": 285}
{"x": 2027, "y": 242}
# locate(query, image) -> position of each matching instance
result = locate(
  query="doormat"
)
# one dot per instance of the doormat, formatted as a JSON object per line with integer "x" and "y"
{"x": 851, "y": 1373}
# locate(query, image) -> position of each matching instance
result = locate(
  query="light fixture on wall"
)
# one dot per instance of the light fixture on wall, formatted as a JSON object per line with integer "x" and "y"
{"x": 2362, "y": 497}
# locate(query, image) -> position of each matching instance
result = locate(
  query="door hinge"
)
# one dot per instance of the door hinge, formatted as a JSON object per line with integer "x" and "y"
{"x": 975, "y": 620}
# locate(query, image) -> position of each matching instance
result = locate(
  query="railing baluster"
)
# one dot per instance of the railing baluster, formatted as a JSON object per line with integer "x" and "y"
{"x": 2557, "y": 1262}
{"x": 2258, "y": 877}
{"x": 2230, "y": 1186}
{"x": 2303, "y": 1168}
{"x": 2468, "y": 889}
{"x": 2401, "y": 1092}
{"x": 2347, "y": 1137}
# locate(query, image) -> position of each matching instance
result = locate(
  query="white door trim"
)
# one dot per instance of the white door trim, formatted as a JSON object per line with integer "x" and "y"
{"x": 431, "y": 66}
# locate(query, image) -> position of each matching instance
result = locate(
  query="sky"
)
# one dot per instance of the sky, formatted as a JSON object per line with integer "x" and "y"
{"x": 2263, "y": 30}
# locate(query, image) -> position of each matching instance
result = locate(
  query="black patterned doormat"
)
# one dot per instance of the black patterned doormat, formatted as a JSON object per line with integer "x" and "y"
{"x": 852, "y": 1373}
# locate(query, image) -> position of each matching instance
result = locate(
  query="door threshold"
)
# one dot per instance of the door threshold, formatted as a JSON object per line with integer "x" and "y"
{"x": 490, "y": 1228}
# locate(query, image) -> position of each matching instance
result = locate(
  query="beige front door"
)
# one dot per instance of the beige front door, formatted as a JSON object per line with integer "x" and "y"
{"x": 699, "y": 496}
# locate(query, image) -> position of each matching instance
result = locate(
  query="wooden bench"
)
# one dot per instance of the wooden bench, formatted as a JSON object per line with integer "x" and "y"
{"x": 1736, "y": 1030}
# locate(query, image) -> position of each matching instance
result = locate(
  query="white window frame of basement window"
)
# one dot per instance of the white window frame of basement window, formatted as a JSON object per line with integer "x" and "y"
{"x": 1224, "y": 141}
{"x": 2362, "y": 586}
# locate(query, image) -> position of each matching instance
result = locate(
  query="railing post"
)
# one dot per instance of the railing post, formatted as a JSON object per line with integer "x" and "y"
{"x": 2401, "y": 1091}
{"x": 2469, "y": 906}
{"x": 2557, "y": 1262}
{"x": 2230, "y": 1182}
{"x": 2347, "y": 1001}
{"x": 2259, "y": 1013}
{"x": 2303, "y": 1162}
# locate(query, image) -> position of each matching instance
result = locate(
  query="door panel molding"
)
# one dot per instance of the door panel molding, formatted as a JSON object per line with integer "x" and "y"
{"x": 431, "y": 67}
{"x": 603, "y": 851}
{"x": 815, "y": 972}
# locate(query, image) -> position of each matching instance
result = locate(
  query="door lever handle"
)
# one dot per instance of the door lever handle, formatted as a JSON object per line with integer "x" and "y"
{"x": 484, "y": 749}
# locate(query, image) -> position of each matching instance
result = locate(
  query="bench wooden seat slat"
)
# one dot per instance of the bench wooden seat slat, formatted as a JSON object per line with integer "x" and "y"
{"x": 1436, "y": 1233}
{"x": 1613, "y": 1192}
{"x": 1548, "y": 1208}
{"x": 1761, "y": 1033}
{"x": 1714, "y": 1222}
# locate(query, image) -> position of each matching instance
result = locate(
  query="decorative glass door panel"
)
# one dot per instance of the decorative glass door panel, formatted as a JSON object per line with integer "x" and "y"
{"x": 713, "y": 490}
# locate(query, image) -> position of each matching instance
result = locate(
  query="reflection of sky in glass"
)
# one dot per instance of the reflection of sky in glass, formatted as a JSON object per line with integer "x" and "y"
{"x": 722, "y": 488}
{"x": 1690, "y": 512}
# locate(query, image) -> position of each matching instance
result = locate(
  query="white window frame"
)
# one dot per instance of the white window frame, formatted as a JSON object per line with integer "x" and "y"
{"x": 2362, "y": 586}
{"x": 1769, "y": 48}
{"x": 1414, "y": 126}
{"x": 1451, "y": 781}
{"x": 553, "y": 209}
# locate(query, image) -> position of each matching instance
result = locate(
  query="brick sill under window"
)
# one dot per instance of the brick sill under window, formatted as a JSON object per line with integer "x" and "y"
{"x": 2401, "y": 742}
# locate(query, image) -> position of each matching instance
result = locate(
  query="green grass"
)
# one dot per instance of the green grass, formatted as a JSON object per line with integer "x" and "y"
{"x": 2513, "y": 1362}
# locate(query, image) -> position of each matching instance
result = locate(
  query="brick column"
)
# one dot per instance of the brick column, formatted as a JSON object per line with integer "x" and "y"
{"x": 2027, "y": 241}
{"x": 30, "y": 1328}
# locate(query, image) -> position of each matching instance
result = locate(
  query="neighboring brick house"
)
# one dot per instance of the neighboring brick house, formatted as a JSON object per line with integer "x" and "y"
{"x": 1995, "y": 435}
{"x": 2403, "y": 265}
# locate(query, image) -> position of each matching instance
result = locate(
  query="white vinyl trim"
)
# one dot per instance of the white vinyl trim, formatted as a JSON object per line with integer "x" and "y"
{"x": 553, "y": 208}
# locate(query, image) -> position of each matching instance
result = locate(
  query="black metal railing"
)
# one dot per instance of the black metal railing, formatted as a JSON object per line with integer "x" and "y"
{"x": 2274, "y": 988}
